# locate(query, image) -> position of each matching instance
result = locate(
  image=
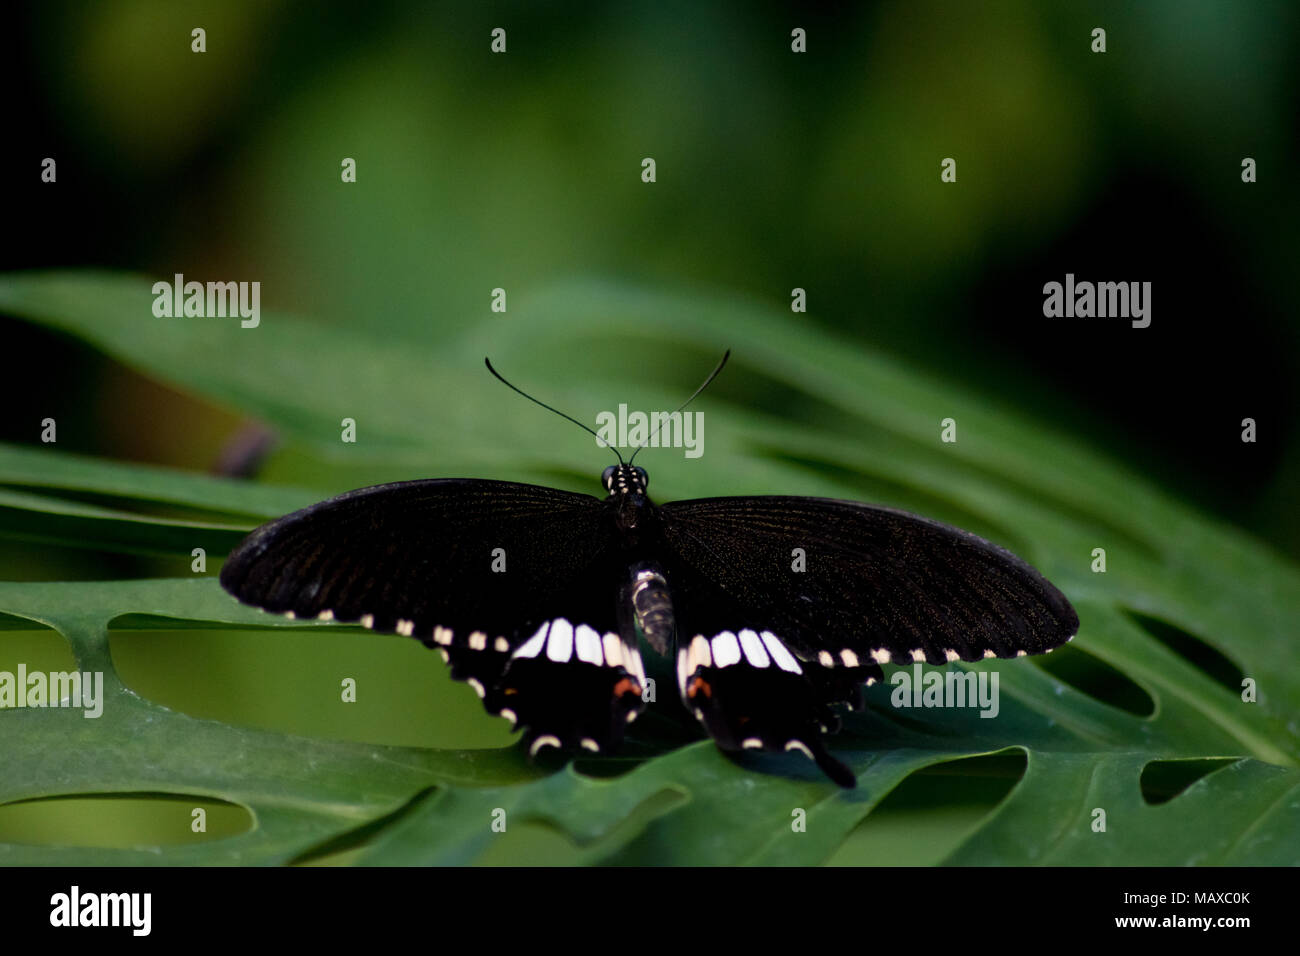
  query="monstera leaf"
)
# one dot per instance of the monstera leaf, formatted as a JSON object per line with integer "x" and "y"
{"x": 1168, "y": 732}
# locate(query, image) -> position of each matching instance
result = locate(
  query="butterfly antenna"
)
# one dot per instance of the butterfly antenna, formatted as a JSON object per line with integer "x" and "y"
{"x": 502, "y": 380}
{"x": 694, "y": 395}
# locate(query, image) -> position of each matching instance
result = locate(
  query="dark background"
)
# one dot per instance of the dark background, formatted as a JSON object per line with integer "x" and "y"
{"x": 775, "y": 171}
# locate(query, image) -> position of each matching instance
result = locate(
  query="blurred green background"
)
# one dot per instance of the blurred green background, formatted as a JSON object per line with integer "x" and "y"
{"x": 775, "y": 170}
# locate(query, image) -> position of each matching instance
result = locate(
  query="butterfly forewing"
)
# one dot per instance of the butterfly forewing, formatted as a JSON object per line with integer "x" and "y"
{"x": 488, "y": 555}
{"x": 846, "y": 584}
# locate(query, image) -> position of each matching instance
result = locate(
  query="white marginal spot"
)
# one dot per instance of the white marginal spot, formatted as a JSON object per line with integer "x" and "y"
{"x": 533, "y": 646}
{"x": 849, "y": 658}
{"x": 780, "y": 653}
{"x": 502, "y": 645}
{"x": 325, "y": 616}
{"x": 509, "y": 715}
{"x": 753, "y": 648}
{"x": 588, "y": 644}
{"x": 951, "y": 655}
{"x": 290, "y": 615}
{"x": 880, "y": 655}
{"x": 540, "y": 742}
{"x": 989, "y": 653}
{"x": 478, "y": 641}
{"x": 631, "y": 716}
{"x": 701, "y": 656}
{"x": 367, "y": 620}
{"x": 405, "y": 627}
{"x": 446, "y": 658}
{"x": 591, "y": 745}
{"x": 477, "y": 685}
{"x": 1022, "y": 653}
{"x": 799, "y": 745}
{"x": 691, "y": 658}
{"x": 752, "y": 743}
{"x": 824, "y": 659}
{"x": 613, "y": 650}
{"x": 870, "y": 681}
{"x": 726, "y": 650}
{"x": 918, "y": 655}
{"x": 442, "y": 635}
{"x": 559, "y": 646}
{"x": 634, "y": 665}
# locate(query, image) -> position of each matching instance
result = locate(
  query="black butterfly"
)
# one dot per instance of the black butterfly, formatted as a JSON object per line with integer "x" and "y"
{"x": 538, "y": 599}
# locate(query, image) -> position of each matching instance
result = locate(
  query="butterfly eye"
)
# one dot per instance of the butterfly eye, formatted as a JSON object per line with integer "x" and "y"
{"x": 607, "y": 475}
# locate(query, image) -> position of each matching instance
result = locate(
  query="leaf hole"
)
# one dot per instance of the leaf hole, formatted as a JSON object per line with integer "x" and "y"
{"x": 932, "y": 811}
{"x": 34, "y": 647}
{"x": 328, "y": 683}
{"x": 343, "y": 849}
{"x": 1197, "y": 652}
{"x": 121, "y": 820}
{"x": 1096, "y": 678}
{"x": 1162, "y": 780}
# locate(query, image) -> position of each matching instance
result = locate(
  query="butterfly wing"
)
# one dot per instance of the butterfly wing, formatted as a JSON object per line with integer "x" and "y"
{"x": 513, "y": 583}
{"x": 877, "y": 583}
{"x": 751, "y": 693}
{"x": 786, "y": 606}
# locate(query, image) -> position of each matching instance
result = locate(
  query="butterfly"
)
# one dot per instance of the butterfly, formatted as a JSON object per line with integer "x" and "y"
{"x": 775, "y": 610}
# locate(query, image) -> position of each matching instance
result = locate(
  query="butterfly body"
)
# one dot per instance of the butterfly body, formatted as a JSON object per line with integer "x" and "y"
{"x": 775, "y": 610}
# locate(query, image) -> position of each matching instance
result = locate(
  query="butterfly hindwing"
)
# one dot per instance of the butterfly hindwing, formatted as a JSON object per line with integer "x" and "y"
{"x": 751, "y": 693}
{"x": 567, "y": 686}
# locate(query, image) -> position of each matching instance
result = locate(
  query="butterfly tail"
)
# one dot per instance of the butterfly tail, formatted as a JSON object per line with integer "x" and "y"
{"x": 837, "y": 771}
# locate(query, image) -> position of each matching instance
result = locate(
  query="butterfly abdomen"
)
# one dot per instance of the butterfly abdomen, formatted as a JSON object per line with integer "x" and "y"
{"x": 648, "y": 602}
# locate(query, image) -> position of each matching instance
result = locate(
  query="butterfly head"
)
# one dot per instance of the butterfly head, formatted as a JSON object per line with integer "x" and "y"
{"x": 625, "y": 480}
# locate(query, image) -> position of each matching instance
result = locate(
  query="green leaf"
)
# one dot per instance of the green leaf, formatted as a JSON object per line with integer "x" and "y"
{"x": 136, "y": 505}
{"x": 1186, "y": 610}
